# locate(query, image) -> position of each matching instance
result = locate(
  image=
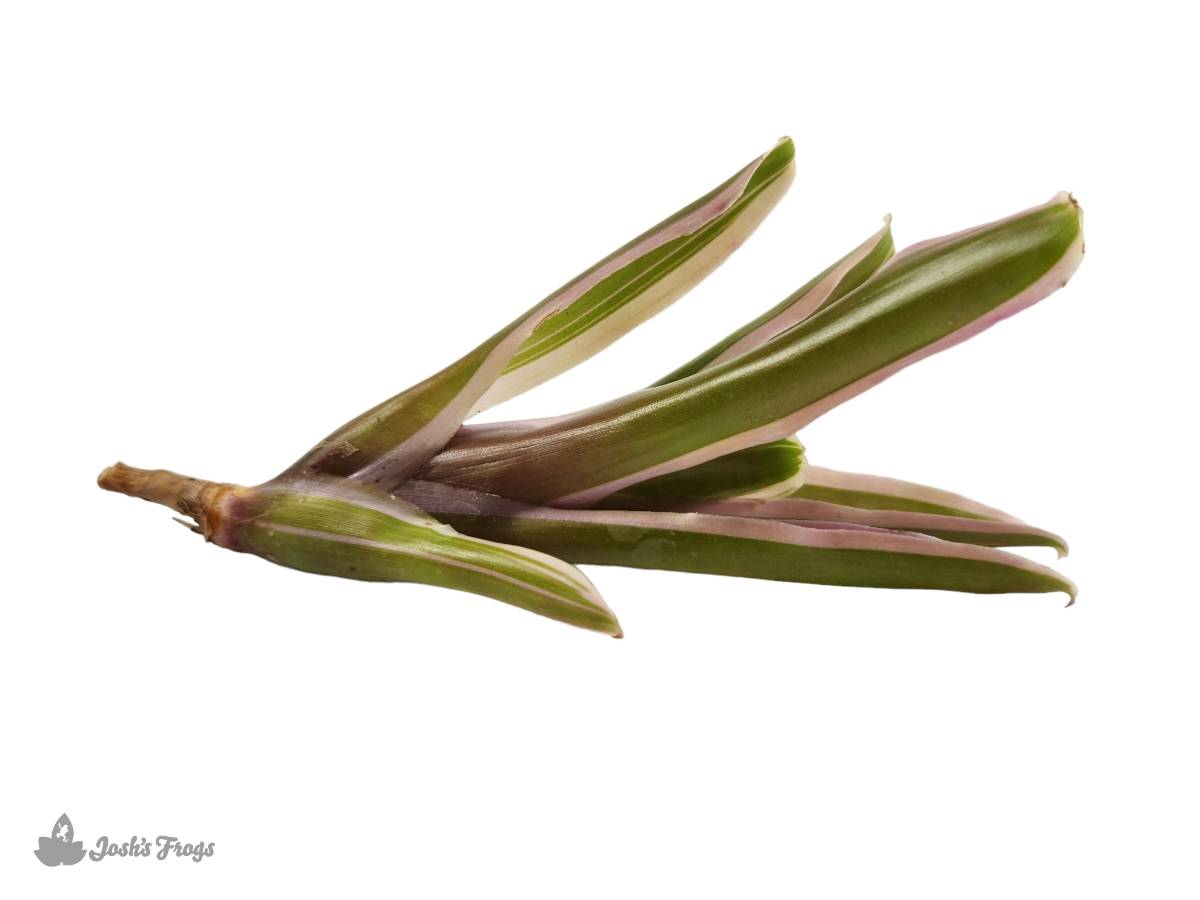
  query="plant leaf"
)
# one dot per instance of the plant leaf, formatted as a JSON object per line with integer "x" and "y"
{"x": 878, "y": 492}
{"x": 962, "y": 529}
{"x": 830, "y": 286}
{"x": 332, "y": 526}
{"x": 725, "y": 545}
{"x": 766, "y": 470}
{"x": 656, "y": 276}
{"x": 932, "y": 300}
{"x": 774, "y": 468}
{"x": 387, "y": 443}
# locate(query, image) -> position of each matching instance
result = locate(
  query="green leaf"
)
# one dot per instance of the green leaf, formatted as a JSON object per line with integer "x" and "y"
{"x": 961, "y": 529}
{"x": 878, "y": 492}
{"x": 766, "y": 470}
{"x": 915, "y": 306}
{"x": 387, "y": 443}
{"x": 751, "y": 548}
{"x": 830, "y": 286}
{"x": 776, "y": 467}
{"x": 652, "y": 281}
{"x": 332, "y": 526}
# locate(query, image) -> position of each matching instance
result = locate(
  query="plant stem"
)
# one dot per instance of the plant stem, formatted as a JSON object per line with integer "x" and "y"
{"x": 191, "y": 496}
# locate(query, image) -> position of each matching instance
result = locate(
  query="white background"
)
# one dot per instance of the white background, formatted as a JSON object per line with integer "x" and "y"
{"x": 227, "y": 228}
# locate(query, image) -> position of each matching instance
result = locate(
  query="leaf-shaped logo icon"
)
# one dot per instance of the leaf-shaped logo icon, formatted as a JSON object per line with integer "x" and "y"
{"x": 63, "y": 830}
{"x": 61, "y": 848}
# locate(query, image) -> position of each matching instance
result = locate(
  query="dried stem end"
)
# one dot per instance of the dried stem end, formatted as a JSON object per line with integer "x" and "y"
{"x": 193, "y": 497}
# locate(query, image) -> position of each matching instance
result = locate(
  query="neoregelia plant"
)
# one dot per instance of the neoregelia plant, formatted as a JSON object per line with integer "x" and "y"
{"x": 699, "y": 472}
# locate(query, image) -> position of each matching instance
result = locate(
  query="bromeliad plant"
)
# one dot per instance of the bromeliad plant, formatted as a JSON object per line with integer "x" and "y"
{"x": 699, "y": 472}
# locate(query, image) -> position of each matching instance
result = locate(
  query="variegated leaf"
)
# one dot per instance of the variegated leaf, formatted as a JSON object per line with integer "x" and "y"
{"x": 387, "y": 443}
{"x": 963, "y": 529}
{"x": 774, "y": 469}
{"x": 333, "y": 526}
{"x": 931, "y": 300}
{"x": 830, "y": 286}
{"x": 820, "y": 553}
{"x": 878, "y": 492}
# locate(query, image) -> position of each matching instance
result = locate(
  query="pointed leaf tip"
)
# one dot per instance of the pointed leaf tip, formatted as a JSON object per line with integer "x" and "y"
{"x": 330, "y": 525}
{"x": 389, "y": 442}
{"x": 921, "y": 302}
{"x": 813, "y": 552}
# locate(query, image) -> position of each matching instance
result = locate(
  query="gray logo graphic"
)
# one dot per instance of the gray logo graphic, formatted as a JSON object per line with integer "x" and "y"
{"x": 61, "y": 848}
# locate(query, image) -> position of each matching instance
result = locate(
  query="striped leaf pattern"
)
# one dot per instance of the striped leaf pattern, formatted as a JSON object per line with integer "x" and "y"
{"x": 931, "y": 300}
{"x": 813, "y": 553}
{"x": 384, "y": 445}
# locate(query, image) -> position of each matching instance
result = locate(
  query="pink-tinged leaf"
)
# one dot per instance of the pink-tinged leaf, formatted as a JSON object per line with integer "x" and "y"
{"x": 766, "y": 470}
{"x": 761, "y": 471}
{"x": 825, "y": 553}
{"x": 962, "y": 529}
{"x": 934, "y": 299}
{"x": 878, "y": 492}
{"x": 830, "y": 286}
{"x": 386, "y": 444}
{"x": 330, "y": 525}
